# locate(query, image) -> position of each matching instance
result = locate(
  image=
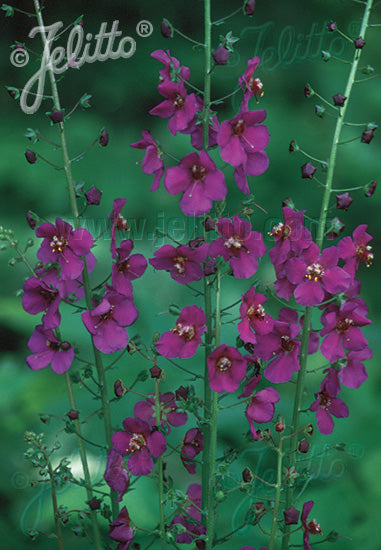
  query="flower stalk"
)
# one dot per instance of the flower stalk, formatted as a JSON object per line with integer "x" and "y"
{"x": 160, "y": 470}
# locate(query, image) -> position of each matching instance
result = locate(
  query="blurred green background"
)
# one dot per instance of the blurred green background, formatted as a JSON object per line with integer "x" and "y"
{"x": 289, "y": 37}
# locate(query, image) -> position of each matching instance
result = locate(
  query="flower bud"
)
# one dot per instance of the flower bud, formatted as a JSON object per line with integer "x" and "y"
{"x": 331, "y": 26}
{"x": 103, "y": 140}
{"x": 293, "y": 146}
{"x": 195, "y": 243}
{"x": 368, "y": 69}
{"x": 93, "y": 196}
{"x": 166, "y": 29}
{"x": 343, "y": 201}
{"x": 319, "y": 111}
{"x": 326, "y": 56}
{"x": 279, "y": 427}
{"x": 56, "y": 116}
{"x": 210, "y": 267}
{"x": 335, "y": 228}
{"x": 181, "y": 393}
{"x": 291, "y": 516}
{"x": 174, "y": 310}
{"x": 30, "y": 156}
{"x": 155, "y": 372}
{"x": 359, "y": 43}
{"x": 249, "y": 7}
{"x": 247, "y": 475}
{"x": 65, "y": 346}
{"x": 339, "y": 100}
{"x": 73, "y": 415}
{"x": 308, "y": 170}
{"x": 309, "y": 429}
{"x": 308, "y": 91}
{"x": 332, "y": 536}
{"x": 367, "y": 135}
{"x": 119, "y": 388}
{"x": 209, "y": 224}
{"x": 303, "y": 446}
{"x": 94, "y": 503}
{"x": 370, "y": 188}
{"x": 289, "y": 203}
{"x": 13, "y": 92}
{"x": 221, "y": 55}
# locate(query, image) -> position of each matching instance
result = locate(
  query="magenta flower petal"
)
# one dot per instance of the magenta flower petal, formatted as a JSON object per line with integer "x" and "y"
{"x": 140, "y": 464}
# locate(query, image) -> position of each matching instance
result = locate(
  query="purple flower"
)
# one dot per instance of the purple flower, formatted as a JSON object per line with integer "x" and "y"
{"x": 242, "y": 141}
{"x": 93, "y": 196}
{"x": 116, "y": 476}
{"x": 291, "y": 516}
{"x": 64, "y": 246}
{"x": 200, "y": 182}
{"x": 172, "y": 69}
{"x": 251, "y": 86}
{"x": 192, "y": 445}
{"x": 184, "y": 339}
{"x": 261, "y": 408}
{"x": 194, "y": 128}
{"x": 39, "y": 296}
{"x": 106, "y": 321}
{"x": 127, "y": 268}
{"x": 146, "y": 410}
{"x": 238, "y": 245}
{"x": 152, "y": 162}
{"x": 352, "y": 372}
{"x": 226, "y": 369}
{"x": 192, "y": 519}
{"x": 328, "y": 404}
{"x": 182, "y": 262}
{"x": 291, "y": 237}
{"x": 121, "y": 531}
{"x": 310, "y": 528}
{"x": 254, "y": 318}
{"x": 341, "y": 329}
{"x": 281, "y": 348}
{"x": 367, "y": 135}
{"x": 355, "y": 249}
{"x": 314, "y": 274}
{"x": 178, "y": 106}
{"x": 118, "y": 222}
{"x": 141, "y": 443}
{"x": 308, "y": 170}
{"x": 46, "y": 350}
{"x": 249, "y": 9}
{"x": 339, "y": 100}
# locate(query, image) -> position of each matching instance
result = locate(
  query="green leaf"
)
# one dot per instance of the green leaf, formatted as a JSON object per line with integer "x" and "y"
{"x": 9, "y": 11}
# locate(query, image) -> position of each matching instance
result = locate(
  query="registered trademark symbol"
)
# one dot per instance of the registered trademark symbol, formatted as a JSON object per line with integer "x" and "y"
{"x": 144, "y": 28}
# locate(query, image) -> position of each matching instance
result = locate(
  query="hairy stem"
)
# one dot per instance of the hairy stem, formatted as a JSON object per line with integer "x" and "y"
{"x": 85, "y": 274}
{"x": 278, "y": 491}
{"x": 161, "y": 470}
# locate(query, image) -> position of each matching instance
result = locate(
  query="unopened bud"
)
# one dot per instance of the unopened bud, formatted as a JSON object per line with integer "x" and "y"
{"x": 155, "y": 372}
{"x": 119, "y": 388}
{"x": 247, "y": 475}
{"x": 166, "y": 29}
{"x": 73, "y": 415}
{"x": 103, "y": 140}
{"x": 303, "y": 446}
{"x": 30, "y": 156}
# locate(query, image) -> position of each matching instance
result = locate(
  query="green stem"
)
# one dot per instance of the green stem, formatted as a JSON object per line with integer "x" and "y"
{"x": 85, "y": 466}
{"x": 319, "y": 242}
{"x": 85, "y": 274}
{"x": 277, "y": 494}
{"x": 55, "y": 505}
{"x": 161, "y": 470}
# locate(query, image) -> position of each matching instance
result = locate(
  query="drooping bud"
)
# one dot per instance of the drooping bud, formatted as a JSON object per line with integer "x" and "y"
{"x": 367, "y": 135}
{"x": 247, "y": 475}
{"x": 93, "y": 196}
{"x": 103, "y": 140}
{"x": 308, "y": 91}
{"x": 326, "y": 56}
{"x": 210, "y": 266}
{"x": 303, "y": 446}
{"x": 339, "y": 100}
{"x": 293, "y": 146}
{"x": 94, "y": 503}
{"x": 209, "y": 224}
{"x": 32, "y": 219}
{"x": 181, "y": 393}
{"x": 308, "y": 170}
{"x": 331, "y": 26}
{"x": 13, "y": 92}
{"x": 195, "y": 243}
{"x": 370, "y": 188}
{"x": 289, "y": 203}
{"x": 166, "y": 29}
{"x": 279, "y": 427}
{"x": 56, "y": 116}
{"x": 119, "y": 388}
{"x": 319, "y": 111}
{"x": 343, "y": 201}
{"x": 73, "y": 415}
{"x": 249, "y": 7}
{"x": 309, "y": 429}
{"x": 30, "y": 156}
{"x": 359, "y": 43}
{"x": 291, "y": 516}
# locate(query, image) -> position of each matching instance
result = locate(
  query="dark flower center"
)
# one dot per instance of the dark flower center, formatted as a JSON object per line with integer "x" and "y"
{"x": 137, "y": 441}
{"x": 287, "y": 343}
{"x": 256, "y": 86}
{"x": 124, "y": 265}
{"x": 178, "y": 101}
{"x": 313, "y": 527}
{"x": 256, "y": 312}
{"x": 58, "y": 244}
{"x": 106, "y": 316}
{"x": 48, "y": 295}
{"x": 195, "y": 443}
{"x": 239, "y": 127}
{"x": 121, "y": 223}
{"x": 314, "y": 272}
{"x": 344, "y": 324}
{"x": 233, "y": 242}
{"x": 197, "y": 172}
{"x": 179, "y": 264}
{"x": 185, "y": 331}
{"x": 324, "y": 399}
{"x": 54, "y": 346}
{"x": 365, "y": 254}
{"x": 281, "y": 230}
{"x": 223, "y": 364}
